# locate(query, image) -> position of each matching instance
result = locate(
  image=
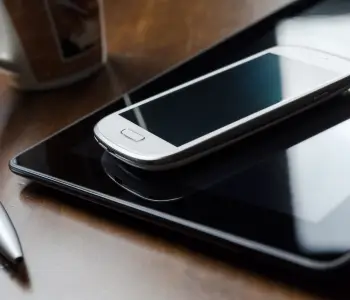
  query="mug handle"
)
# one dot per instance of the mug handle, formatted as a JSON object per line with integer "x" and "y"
{"x": 8, "y": 66}
{"x": 8, "y": 38}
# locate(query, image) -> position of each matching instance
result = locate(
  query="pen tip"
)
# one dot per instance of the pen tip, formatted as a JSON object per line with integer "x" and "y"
{"x": 18, "y": 260}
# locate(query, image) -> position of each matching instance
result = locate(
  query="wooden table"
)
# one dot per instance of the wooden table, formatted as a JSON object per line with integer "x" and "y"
{"x": 74, "y": 253}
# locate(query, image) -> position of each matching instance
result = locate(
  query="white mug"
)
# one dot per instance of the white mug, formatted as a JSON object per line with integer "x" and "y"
{"x": 51, "y": 43}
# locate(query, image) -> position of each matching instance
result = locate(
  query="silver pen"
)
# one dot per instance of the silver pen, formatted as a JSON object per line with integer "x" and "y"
{"x": 10, "y": 247}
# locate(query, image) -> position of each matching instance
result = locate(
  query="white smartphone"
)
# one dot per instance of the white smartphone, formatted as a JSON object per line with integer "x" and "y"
{"x": 212, "y": 111}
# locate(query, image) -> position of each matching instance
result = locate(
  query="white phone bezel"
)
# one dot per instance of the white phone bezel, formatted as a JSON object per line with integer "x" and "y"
{"x": 153, "y": 149}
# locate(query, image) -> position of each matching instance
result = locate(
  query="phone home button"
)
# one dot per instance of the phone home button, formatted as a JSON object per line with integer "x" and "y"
{"x": 132, "y": 135}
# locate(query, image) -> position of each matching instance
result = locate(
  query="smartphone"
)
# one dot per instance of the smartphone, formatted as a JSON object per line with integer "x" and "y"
{"x": 208, "y": 113}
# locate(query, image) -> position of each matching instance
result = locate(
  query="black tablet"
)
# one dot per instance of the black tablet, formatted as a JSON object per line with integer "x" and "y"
{"x": 284, "y": 192}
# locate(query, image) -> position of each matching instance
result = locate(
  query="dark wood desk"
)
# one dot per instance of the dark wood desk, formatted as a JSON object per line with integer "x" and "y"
{"x": 73, "y": 253}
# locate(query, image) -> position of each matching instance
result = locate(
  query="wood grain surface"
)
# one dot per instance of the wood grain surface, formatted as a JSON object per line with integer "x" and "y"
{"x": 82, "y": 253}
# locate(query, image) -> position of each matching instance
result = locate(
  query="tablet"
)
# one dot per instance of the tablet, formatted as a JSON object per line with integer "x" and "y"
{"x": 284, "y": 192}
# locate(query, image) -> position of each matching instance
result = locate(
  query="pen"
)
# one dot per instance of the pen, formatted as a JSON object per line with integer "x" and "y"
{"x": 10, "y": 247}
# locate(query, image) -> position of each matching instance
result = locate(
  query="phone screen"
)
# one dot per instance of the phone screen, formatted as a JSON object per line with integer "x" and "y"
{"x": 227, "y": 97}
